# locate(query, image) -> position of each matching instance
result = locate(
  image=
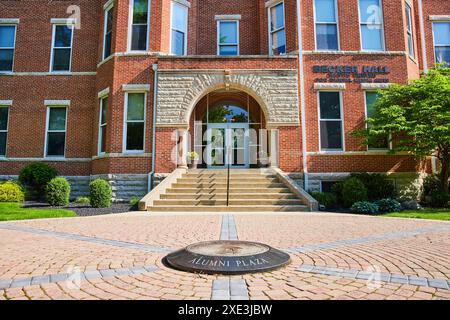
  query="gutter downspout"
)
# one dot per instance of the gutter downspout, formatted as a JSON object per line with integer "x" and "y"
{"x": 302, "y": 97}
{"x": 155, "y": 94}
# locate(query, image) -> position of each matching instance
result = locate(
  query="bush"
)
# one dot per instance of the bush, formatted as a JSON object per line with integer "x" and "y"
{"x": 326, "y": 199}
{"x": 134, "y": 202}
{"x": 337, "y": 191}
{"x": 100, "y": 194}
{"x": 58, "y": 192}
{"x": 378, "y": 185}
{"x": 353, "y": 190}
{"x": 82, "y": 200}
{"x": 365, "y": 207}
{"x": 439, "y": 199}
{"x": 11, "y": 192}
{"x": 388, "y": 205}
{"x": 431, "y": 185}
{"x": 36, "y": 176}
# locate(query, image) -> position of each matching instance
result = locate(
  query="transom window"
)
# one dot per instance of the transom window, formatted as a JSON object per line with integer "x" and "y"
{"x": 7, "y": 47}
{"x": 62, "y": 47}
{"x": 277, "y": 37}
{"x": 375, "y": 143}
{"x": 331, "y": 137}
{"x": 135, "y": 122}
{"x": 179, "y": 28}
{"x": 102, "y": 125}
{"x": 139, "y": 25}
{"x": 108, "y": 32}
{"x": 371, "y": 25}
{"x": 4, "y": 115}
{"x": 409, "y": 30}
{"x": 441, "y": 35}
{"x": 56, "y": 131}
{"x": 326, "y": 25}
{"x": 228, "y": 37}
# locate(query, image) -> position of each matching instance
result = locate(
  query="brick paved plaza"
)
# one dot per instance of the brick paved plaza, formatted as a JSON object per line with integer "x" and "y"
{"x": 119, "y": 257}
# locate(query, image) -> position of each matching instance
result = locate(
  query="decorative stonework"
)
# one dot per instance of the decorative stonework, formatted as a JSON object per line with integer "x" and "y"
{"x": 180, "y": 90}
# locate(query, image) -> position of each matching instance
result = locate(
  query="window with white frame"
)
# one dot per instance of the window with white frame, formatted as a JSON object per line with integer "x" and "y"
{"x": 331, "y": 137}
{"x": 102, "y": 125}
{"x": 135, "y": 121}
{"x": 228, "y": 37}
{"x": 371, "y": 25}
{"x": 277, "y": 32}
{"x": 378, "y": 142}
{"x": 108, "y": 27}
{"x": 179, "y": 26}
{"x": 139, "y": 25}
{"x": 325, "y": 12}
{"x": 441, "y": 35}
{"x": 7, "y": 47}
{"x": 62, "y": 47}
{"x": 409, "y": 30}
{"x": 4, "y": 116}
{"x": 56, "y": 131}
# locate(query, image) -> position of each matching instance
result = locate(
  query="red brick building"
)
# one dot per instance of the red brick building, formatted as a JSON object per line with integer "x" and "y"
{"x": 123, "y": 89}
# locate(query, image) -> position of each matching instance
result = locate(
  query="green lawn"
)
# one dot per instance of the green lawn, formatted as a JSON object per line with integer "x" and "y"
{"x": 14, "y": 211}
{"x": 432, "y": 214}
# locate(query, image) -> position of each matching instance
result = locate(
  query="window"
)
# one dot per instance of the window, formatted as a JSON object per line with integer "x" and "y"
{"x": 7, "y": 45}
{"x": 108, "y": 32}
{"x": 228, "y": 42}
{"x": 327, "y": 186}
{"x": 179, "y": 26}
{"x": 441, "y": 32}
{"x": 371, "y": 23}
{"x": 139, "y": 25}
{"x": 62, "y": 47}
{"x": 102, "y": 125}
{"x": 135, "y": 122}
{"x": 331, "y": 137}
{"x": 375, "y": 143}
{"x": 56, "y": 131}
{"x": 4, "y": 113}
{"x": 409, "y": 30}
{"x": 277, "y": 37}
{"x": 326, "y": 25}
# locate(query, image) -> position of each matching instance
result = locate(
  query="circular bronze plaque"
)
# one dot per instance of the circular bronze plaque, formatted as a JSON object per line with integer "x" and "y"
{"x": 227, "y": 257}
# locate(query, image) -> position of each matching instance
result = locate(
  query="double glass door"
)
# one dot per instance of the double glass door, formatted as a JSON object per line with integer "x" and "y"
{"x": 228, "y": 144}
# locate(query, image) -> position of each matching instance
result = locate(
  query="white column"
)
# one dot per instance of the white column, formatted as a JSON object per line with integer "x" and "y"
{"x": 182, "y": 148}
{"x": 273, "y": 134}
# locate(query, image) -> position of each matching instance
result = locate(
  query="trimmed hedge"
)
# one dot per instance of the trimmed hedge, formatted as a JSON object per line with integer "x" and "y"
{"x": 11, "y": 192}
{"x": 365, "y": 207}
{"x": 353, "y": 190}
{"x": 58, "y": 192}
{"x": 388, "y": 205}
{"x": 36, "y": 176}
{"x": 100, "y": 194}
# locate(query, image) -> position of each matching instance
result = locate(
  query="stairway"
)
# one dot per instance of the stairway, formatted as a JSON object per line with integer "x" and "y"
{"x": 206, "y": 190}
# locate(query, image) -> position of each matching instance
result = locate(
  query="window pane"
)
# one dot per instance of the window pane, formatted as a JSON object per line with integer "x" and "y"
{"x": 102, "y": 139}
{"x": 372, "y": 37}
{"x": 135, "y": 136}
{"x": 228, "y": 32}
{"x": 6, "y": 59}
{"x": 4, "y": 118}
{"x": 7, "y": 36}
{"x": 61, "y": 59}
{"x": 370, "y": 11}
{"x": 443, "y": 54}
{"x": 104, "y": 110}
{"x": 325, "y": 11}
{"x": 56, "y": 143}
{"x": 140, "y": 11}
{"x": 57, "y": 119}
{"x": 228, "y": 50}
{"x": 109, "y": 20}
{"x": 277, "y": 16}
{"x": 177, "y": 42}
{"x": 327, "y": 38}
{"x": 279, "y": 42}
{"x": 371, "y": 99}
{"x": 331, "y": 135}
{"x": 139, "y": 38}
{"x": 408, "y": 18}
{"x": 107, "y": 45}
{"x": 441, "y": 33}
{"x": 330, "y": 105}
{"x": 63, "y": 36}
{"x": 3, "y": 143}
{"x": 410, "y": 45}
{"x": 179, "y": 17}
{"x": 135, "y": 106}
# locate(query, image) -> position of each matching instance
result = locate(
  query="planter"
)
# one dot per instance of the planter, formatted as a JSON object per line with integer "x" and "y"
{"x": 193, "y": 164}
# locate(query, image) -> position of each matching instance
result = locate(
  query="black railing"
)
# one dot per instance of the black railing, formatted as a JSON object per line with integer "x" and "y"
{"x": 228, "y": 176}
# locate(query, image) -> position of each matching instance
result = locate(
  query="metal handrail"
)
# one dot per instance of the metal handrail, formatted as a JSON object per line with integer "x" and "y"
{"x": 228, "y": 176}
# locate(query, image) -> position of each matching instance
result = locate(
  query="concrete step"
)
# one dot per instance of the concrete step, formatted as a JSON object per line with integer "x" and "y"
{"x": 221, "y": 196}
{"x": 243, "y": 202}
{"x": 240, "y": 185}
{"x": 234, "y": 208}
{"x": 224, "y": 180}
{"x": 224, "y": 190}
{"x": 224, "y": 176}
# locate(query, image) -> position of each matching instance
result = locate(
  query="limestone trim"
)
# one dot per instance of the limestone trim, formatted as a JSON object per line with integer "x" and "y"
{"x": 440, "y": 18}
{"x": 6, "y": 103}
{"x": 329, "y": 86}
{"x": 57, "y": 102}
{"x": 228, "y": 17}
{"x": 9, "y": 21}
{"x": 374, "y": 86}
{"x": 103, "y": 93}
{"x": 136, "y": 87}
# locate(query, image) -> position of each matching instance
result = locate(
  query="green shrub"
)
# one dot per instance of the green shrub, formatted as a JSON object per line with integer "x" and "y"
{"x": 431, "y": 185}
{"x": 36, "y": 176}
{"x": 378, "y": 185}
{"x": 57, "y": 192}
{"x": 388, "y": 205}
{"x": 82, "y": 200}
{"x": 337, "y": 191}
{"x": 134, "y": 202}
{"x": 11, "y": 192}
{"x": 365, "y": 207}
{"x": 326, "y": 199}
{"x": 439, "y": 199}
{"x": 353, "y": 191}
{"x": 100, "y": 194}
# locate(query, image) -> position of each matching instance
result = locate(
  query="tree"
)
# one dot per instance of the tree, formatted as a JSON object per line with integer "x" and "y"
{"x": 417, "y": 118}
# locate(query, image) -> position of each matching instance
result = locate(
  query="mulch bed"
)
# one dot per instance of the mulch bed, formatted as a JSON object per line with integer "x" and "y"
{"x": 83, "y": 210}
